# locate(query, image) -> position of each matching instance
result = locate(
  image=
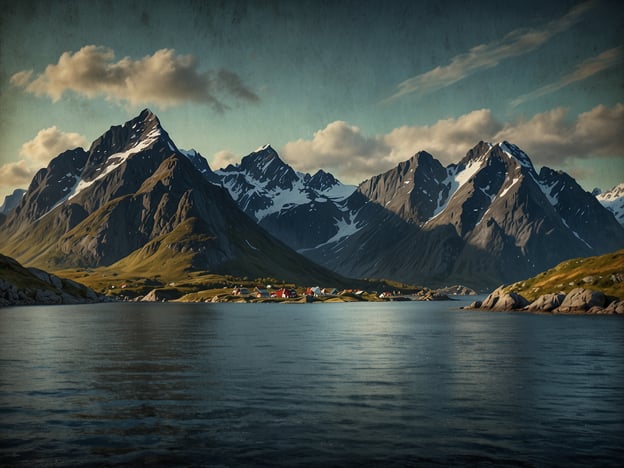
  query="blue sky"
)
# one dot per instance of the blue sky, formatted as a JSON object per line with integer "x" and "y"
{"x": 353, "y": 87}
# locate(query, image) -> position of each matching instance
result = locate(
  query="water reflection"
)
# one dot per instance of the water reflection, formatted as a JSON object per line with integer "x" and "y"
{"x": 365, "y": 383}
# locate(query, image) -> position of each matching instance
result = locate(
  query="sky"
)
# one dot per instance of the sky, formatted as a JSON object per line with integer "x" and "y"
{"x": 352, "y": 87}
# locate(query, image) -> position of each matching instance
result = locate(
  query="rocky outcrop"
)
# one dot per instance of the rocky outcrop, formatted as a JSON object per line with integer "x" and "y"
{"x": 577, "y": 301}
{"x": 582, "y": 300}
{"x": 615, "y": 307}
{"x": 546, "y": 302}
{"x": 161, "y": 295}
{"x": 501, "y": 300}
{"x": 457, "y": 290}
{"x": 30, "y": 286}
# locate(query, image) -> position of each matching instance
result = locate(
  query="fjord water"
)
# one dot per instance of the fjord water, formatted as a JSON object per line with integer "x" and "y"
{"x": 311, "y": 384}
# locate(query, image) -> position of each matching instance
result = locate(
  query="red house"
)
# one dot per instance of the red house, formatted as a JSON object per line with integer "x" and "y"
{"x": 286, "y": 293}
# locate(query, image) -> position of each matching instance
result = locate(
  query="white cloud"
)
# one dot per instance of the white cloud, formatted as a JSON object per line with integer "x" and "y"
{"x": 164, "y": 79}
{"x": 587, "y": 68}
{"x": 447, "y": 139}
{"x": 550, "y": 138}
{"x": 222, "y": 159}
{"x": 15, "y": 175}
{"x": 50, "y": 142}
{"x": 37, "y": 153}
{"x": 341, "y": 149}
{"x": 483, "y": 56}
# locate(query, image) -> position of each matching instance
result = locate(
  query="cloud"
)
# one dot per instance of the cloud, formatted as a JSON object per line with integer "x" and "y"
{"x": 483, "y": 56}
{"x": 223, "y": 159}
{"x": 37, "y": 153}
{"x": 164, "y": 79}
{"x": 16, "y": 175}
{"x": 550, "y": 138}
{"x": 446, "y": 139}
{"x": 50, "y": 142}
{"x": 589, "y": 67}
{"x": 341, "y": 149}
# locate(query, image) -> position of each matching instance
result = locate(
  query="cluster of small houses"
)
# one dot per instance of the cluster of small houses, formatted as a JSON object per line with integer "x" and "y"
{"x": 289, "y": 293}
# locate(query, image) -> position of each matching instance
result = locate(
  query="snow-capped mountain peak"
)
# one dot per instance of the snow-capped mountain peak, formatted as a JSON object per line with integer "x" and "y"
{"x": 290, "y": 204}
{"x": 516, "y": 153}
{"x": 613, "y": 200}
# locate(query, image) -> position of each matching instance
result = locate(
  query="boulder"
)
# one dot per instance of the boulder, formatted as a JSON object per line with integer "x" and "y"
{"x": 581, "y": 300}
{"x": 161, "y": 295}
{"x": 617, "y": 277}
{"x": 546, "y": 302}
{"x": 500, "y": 300}
{"x": 616, "y": 307}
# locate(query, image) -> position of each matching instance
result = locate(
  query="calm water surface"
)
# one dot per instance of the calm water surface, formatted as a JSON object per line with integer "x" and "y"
{"x": 308, "y": 384}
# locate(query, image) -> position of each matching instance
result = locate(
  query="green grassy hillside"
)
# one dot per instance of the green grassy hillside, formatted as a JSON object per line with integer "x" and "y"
{"x": 598, "y": 273}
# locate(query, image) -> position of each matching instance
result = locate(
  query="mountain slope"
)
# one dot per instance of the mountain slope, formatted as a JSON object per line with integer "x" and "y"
{"x": 603, "y": 272}
{"x": 134, "y": 197}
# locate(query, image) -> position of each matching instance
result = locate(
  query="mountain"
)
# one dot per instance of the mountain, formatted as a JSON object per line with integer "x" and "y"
{"x": 488, "y": 219}
{"x": 613, "y": 200}
{"x": 11, "y": 201}
{"x": 135, "y": 200}
{"x": 300, "y": 209}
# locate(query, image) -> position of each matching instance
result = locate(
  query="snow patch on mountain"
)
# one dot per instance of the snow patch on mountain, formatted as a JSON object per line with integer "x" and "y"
{"x": 114, "y": 161}
{"x": 283, "y": 200}
{"x": 457, "y": 177}
{"x": 516, "y": 153}
{"x": 547, "y": 190}
{"x": 262, "y": 184}
{"x": 613, "y": 200}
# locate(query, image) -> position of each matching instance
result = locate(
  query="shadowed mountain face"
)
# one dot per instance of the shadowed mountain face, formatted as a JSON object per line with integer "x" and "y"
{"x": 135, "y": 198}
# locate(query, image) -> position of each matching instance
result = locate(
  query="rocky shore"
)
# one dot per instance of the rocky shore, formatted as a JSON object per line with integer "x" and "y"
{"x": 30, "y": 286}
{"x": 577, "y": 301}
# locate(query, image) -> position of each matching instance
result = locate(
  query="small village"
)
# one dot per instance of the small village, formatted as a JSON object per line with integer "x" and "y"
{"x": 318, "y": 294}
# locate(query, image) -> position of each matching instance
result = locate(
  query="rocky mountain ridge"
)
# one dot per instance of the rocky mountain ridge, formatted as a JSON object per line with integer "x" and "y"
{"x": 135, "y": 199}
{"x": 469, "y": 222}
{"x": 300, "y": 209}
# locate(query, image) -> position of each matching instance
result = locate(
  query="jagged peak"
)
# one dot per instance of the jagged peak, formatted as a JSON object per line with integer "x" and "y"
{"x": 146, "y": 119}
{"x": 612, "y": 194}
{"x": 264, "y": 148}
{"x": 515, "y": 152}
{"x": 262, "y": 158}
{"x": 476, "y": 153}
{"x": 321, "y": 180}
